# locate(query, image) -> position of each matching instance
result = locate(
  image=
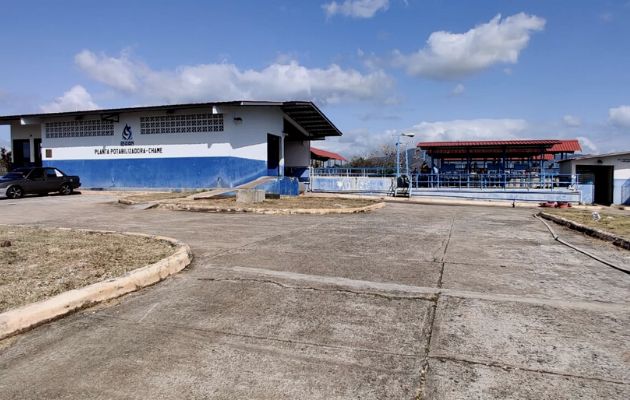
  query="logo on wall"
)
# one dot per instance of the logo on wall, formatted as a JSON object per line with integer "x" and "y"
{"x": 127, "y": 136}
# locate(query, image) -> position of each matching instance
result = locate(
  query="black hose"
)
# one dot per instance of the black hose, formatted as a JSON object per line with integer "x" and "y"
{"x": 601, "y": 260}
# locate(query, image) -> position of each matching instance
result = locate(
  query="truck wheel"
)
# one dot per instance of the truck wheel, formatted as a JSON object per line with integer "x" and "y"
{"x": 66, "y": 189}
{"x": 15, "y": 192}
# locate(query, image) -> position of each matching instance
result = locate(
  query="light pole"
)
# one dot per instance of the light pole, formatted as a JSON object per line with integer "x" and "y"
{"x": 398, "y": 151}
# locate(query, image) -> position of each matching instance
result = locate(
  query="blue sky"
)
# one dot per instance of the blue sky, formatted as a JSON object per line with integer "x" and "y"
{"x": 445, "y": 70}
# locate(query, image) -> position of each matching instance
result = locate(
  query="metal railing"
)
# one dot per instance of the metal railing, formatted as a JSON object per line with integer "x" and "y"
{"x": 495, "y": 181}
{"x": 452, "y": 180}
{"x": 348, "y": 172}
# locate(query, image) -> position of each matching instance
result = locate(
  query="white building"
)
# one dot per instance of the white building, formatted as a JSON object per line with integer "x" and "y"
{"x": 609, "y": 173}
{"x": 201, "y": 145}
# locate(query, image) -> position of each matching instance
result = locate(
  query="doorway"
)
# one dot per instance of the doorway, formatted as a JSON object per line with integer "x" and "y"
{"x": 21, "y": 153}
{"x": 602, "y": 181}
{"x": 273, "y": 155}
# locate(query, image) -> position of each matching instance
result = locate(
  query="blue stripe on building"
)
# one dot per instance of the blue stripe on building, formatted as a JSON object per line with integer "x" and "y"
{"x": 164, "y": 173}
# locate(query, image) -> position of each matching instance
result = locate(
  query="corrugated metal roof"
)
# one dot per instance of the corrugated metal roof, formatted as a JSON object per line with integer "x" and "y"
{"x": 592, "y": 156}
{"x": 490, "y": 143}
{"x": 567, "y": 146}
{"x": 327, "y": 154}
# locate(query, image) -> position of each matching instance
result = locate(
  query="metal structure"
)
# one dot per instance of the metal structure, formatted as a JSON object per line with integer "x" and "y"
{"x": 410, "y": 135}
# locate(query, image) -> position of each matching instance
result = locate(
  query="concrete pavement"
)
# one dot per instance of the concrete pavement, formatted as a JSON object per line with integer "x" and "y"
{"x": 411, "y": 301}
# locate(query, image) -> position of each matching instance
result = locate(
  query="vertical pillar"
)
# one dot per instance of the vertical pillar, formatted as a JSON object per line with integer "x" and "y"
{"x": 281, "y": 162}
{"x": 31, "y": 143}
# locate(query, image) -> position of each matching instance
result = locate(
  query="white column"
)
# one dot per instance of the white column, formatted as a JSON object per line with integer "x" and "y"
{"x": 281, "y": 163}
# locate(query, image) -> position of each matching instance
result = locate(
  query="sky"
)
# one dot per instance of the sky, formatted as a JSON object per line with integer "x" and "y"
{"x": 440, "y": 69}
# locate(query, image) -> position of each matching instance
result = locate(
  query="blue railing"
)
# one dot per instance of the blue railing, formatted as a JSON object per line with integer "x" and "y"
{"x": 367, "y": 172}
{"x": 494, "y": 181}
{"x": 514, "y": 180}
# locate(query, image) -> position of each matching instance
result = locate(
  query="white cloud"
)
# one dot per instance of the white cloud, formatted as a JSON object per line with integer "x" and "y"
{"x": 4, "y": 138}
{"x": 362, "y": 142}
{"x": 469, "y": 129}
{"x": 453, "y": 55}
{"x": 119, "y": 73}
{"x": 355, "y": 8}
{"x": 620, "y": 116}
{"x": 571, "y": 120}
{"x": 458, "y": 89}
{"x": 222, "y": 81}
{"x": 75, "y": 99}
{"x": 587, "y": 145}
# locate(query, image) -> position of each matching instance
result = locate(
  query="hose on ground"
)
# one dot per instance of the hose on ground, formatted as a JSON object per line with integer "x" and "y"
{"x": 593, "y": 256}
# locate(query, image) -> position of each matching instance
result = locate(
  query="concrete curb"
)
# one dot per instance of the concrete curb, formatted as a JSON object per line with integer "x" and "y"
{"x": 594, "y": 232}
{"x": 429, "y": 200}
{"x": 283, "y": 211}
{"x": 27, "y": 317}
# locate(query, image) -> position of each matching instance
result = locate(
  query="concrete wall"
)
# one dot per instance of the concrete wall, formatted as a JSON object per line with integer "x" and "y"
{"x": 168, "y": 160}
{"x": 535, "y": 195}
{"x": 297, "y": 154}
{"x": 350, "y": 184}
{"x": 621, "y": 173}
{"x": 383, "y": 185}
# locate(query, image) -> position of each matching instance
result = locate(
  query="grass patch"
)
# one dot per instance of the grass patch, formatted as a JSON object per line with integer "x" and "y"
{"x": 42, "y": 263}
{"x": 613, "y": 221}
{"x": 285, "y": 203}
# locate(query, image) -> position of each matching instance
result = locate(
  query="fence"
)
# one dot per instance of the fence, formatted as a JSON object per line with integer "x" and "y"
{"x": 460, "y": 181}
{"x": 494, "y": 181}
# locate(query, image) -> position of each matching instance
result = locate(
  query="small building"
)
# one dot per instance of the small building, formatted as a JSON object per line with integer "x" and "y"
{"x": 608, "y": 173}
{"x": 201, "y": 145}
{"x": 326, "y": 159}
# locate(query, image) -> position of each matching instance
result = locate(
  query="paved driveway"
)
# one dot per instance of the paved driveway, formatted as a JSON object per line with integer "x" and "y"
{"x": 407, "y": 302}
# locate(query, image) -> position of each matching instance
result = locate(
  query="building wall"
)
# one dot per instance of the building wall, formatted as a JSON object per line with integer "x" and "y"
{"x": 297, "y": 159}
{"x": 298, "y": 154}
{"x": 621, "y": 173}
{"x": 228, "y": 158}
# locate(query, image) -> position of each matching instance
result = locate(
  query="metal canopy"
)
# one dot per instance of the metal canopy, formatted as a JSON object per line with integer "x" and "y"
{"x": 310, "y": 119}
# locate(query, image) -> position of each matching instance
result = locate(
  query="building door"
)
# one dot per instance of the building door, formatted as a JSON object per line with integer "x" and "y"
{"x": 602, "y": 181}
{"x": 273, "y": 155}
{"x": 21, "y": 153}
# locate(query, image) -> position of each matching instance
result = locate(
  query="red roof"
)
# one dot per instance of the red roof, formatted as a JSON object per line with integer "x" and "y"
{"x": 497, "y": 148}
{"x": 567, "y": 146}
{"x": 537, "y": 142}
{"x": 327, "y": 154}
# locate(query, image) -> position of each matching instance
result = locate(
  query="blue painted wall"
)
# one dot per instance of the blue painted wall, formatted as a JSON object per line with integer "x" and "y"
{"x": 163, "y": 173}
{"x": 286, "y": 186}
{"x": 621, "y": 191}
{"x": 588, "y": 192}
{"x": 302, "y": 173}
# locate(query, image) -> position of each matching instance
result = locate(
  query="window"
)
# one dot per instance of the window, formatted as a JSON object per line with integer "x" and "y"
{"x": 87, "y": 128}
{"x": 50, "y": 173}
{"x": 189, "y": 123}
{"x": 36, "y": 173}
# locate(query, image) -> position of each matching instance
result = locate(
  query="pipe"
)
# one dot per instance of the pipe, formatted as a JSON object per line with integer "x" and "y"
{"x": 557, "y": 238}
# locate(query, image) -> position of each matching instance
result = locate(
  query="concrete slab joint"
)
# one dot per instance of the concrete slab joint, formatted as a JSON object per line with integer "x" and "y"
{"x": 27, "y": 317}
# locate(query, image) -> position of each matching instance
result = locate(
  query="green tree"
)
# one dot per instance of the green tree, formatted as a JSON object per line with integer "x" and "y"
{"x": 5, "y": 159}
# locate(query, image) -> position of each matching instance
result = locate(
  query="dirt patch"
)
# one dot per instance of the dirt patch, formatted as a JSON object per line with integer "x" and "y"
{"x": 284, "y": 203}
{"x": 154, "y": 196}
{"x": 613, "y": 221}
{"x": 41, "y": 263}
